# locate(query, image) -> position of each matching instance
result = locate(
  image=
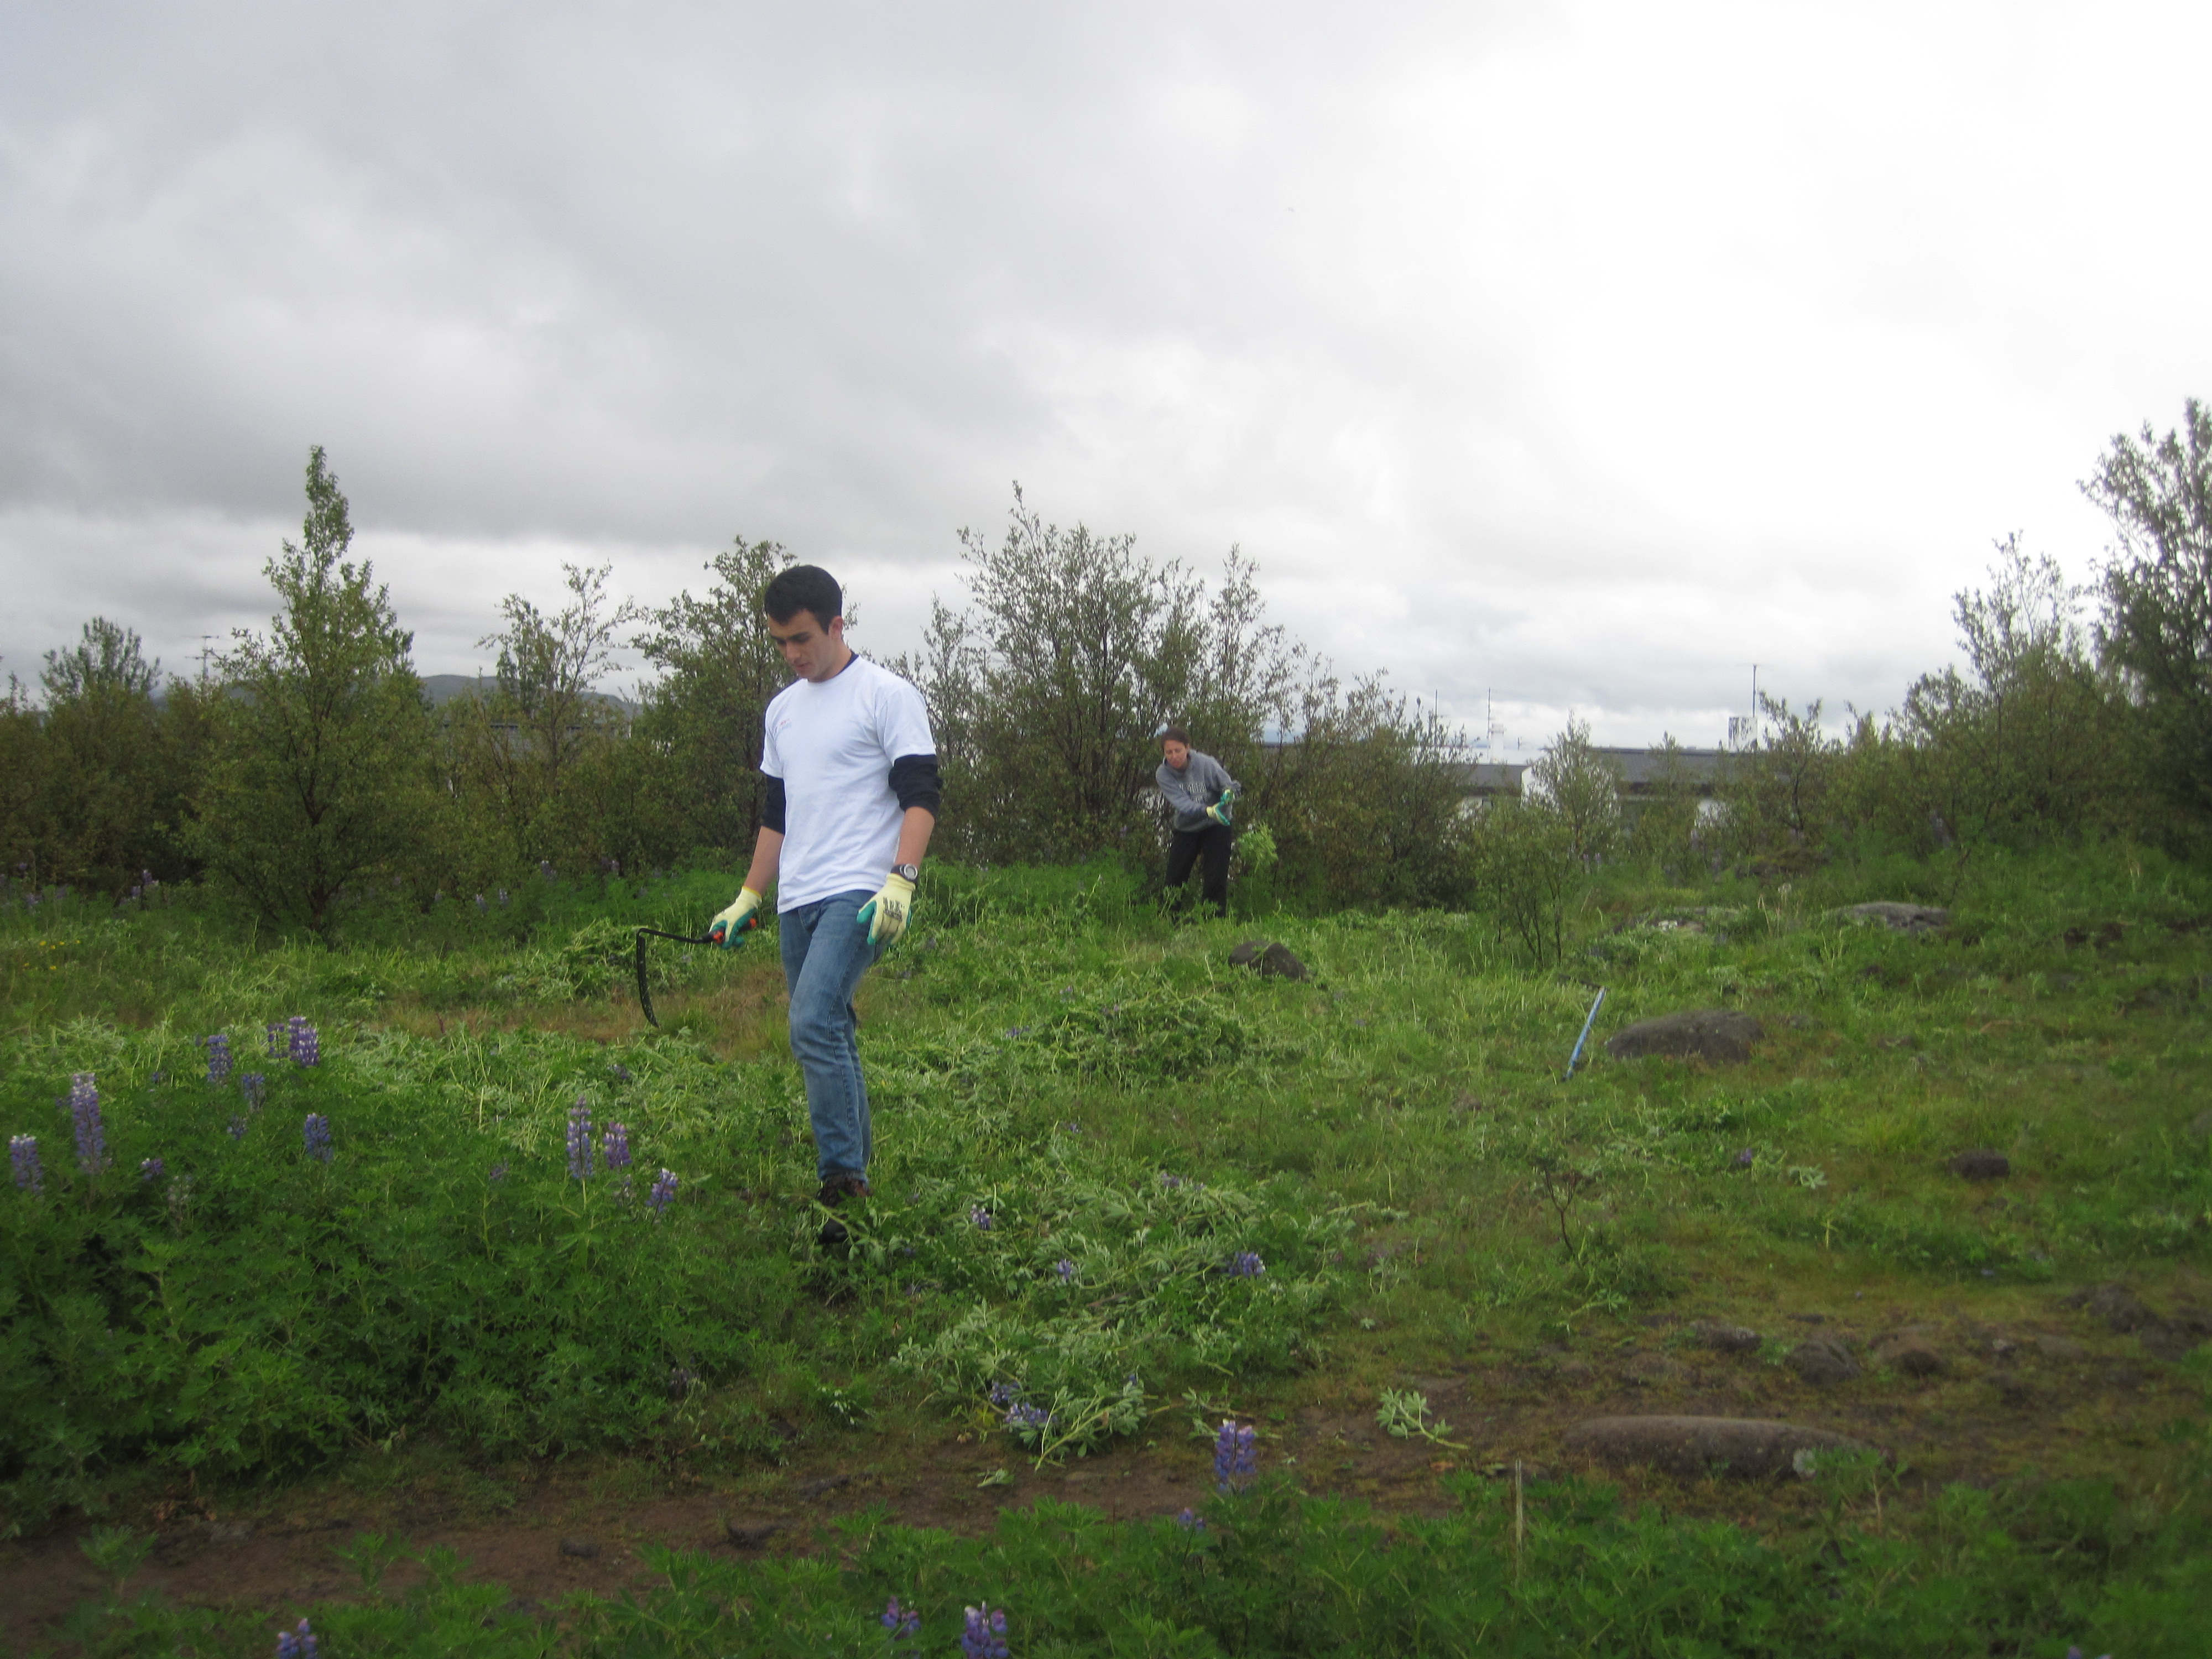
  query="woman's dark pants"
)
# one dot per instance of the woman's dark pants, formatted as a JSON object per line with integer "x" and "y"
{"x": 1208, "y": 848}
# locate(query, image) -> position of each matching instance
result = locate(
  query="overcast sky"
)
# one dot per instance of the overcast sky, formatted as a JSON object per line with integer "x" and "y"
{"x": 1586, "y": 353}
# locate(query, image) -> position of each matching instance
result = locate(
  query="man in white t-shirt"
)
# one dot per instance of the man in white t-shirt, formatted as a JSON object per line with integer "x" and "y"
{"x": 852, "y": 793}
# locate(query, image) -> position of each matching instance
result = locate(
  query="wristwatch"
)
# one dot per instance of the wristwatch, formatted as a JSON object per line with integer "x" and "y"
{"x": 911, "y": 872}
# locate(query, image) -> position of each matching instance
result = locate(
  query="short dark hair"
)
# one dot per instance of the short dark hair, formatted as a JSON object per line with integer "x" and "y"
{"x": 1174, "y": 735}
{"x": 804, "y": 588}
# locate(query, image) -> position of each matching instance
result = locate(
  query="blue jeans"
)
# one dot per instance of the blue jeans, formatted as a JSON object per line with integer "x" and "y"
{"x": 825, "y": 951}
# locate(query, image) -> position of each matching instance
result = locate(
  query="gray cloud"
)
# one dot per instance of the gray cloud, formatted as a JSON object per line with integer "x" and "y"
{"x": 1586, "y": 352}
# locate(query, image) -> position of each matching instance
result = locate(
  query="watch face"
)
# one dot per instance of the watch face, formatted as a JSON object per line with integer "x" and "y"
{"x": 911, "y": 872}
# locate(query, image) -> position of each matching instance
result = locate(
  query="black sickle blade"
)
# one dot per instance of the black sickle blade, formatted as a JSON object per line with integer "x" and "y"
{"x": 644, "y": 993}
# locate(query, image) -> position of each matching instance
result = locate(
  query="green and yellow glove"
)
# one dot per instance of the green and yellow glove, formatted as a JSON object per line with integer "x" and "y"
{"x": 1220, "y": 811}
{"x": 886, "y": 913}
{"x": 742, "y": 917}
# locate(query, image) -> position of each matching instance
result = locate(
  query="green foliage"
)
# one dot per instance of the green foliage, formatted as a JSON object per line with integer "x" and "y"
{"x": 536, "y": 758}
{"x": 2157, "y": 625}
{"x": 719, "y": 670}
{"x": 1526, "y": 873}
{"x": 317, "y": 781}
{"x": 1275, "y": 1571}
{"x": 1663, "y": 824}
{"x": 1778, "y": 795}
{"x": 1044, "y": 697}
{"x": 1582, "y": 788}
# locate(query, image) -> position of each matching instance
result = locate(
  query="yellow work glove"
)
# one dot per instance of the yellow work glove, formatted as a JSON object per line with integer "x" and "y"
{"x": 742, "y": 917}
{"x": 887, "y": 912}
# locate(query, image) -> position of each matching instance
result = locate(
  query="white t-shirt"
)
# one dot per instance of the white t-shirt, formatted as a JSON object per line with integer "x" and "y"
{"x": 833, "y": 744}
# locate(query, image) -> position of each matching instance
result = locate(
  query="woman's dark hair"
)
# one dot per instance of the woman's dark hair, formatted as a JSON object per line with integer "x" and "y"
{"x": 804, "y": 588}
{"x": 1174, "y": 735}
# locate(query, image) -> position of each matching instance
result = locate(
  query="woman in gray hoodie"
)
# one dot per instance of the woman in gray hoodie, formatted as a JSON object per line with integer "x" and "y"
{"x": 1200, "y": 791}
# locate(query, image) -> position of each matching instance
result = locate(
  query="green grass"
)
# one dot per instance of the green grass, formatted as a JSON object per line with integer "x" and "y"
{"x": 1387, "y": 1138}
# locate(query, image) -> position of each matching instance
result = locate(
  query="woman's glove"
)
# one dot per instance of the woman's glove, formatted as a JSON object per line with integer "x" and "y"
{"x": 886, "y": 913}
{"x": 742, "y": 917}
{"x": 1220, "y": 811}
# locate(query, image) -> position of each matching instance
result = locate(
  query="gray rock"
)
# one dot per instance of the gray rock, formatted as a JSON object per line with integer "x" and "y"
{"x": 2168, "y": 1338}
{"x": 1823, "y": 1361}
{"x": 1981, "y": 1165}
{"x": 1899, "y": 917}
{"x": 1745, "y": 1448}
{"x": 2120, "y": 1309}
{"x": 582, "y": 1548}
{"x": 2060, "y": 1348}
{"x": 752, "y": 1535}
{"x": 1908, "y": 1351}
{"x": 1724, "y": 1338}
{"x": 1724, "y": 1035}
{"x": 1269, "y": 961}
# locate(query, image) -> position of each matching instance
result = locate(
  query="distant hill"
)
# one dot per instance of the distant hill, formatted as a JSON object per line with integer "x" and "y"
{"x": 444, "y": 688}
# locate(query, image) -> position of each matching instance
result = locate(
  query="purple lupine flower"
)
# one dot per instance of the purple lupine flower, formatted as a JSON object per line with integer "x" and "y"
{"x": 1744, "y": 1159}
{"x": 901, "y": 1622}
{"x": 1191, "y": 1521}
{"x": 502, "y": 898}
{"x": 298, "y": 1642}
{"x": 150, "y": 1168}
{"x": 1168, "y": 1181}
{"x": 280, "y": 1040}
{"x": 617, "y": 1146}
{"x": 305, "y": 1045}
{"x": 317, "y": 1130}
{"x": 84, "y": 1114}
{"x": 1020, "y": 1417}
{"x": 1236, "y": 1454}
{"x": 545, "y": 869}
{"x": 985, "y": 1636}
{"x": 218, "y": 1048}
{"x": 481, "y": 905}
{"x": 1065, "y": 1268}
{"x": 663, "y": 1193}
{"x": 498, "y": 1172}
{"x": 1245, "y": 1264}
{"x": 257, "y": 1089}
{"x": 238, "y": 1129}
{"x": 23, "y": 1159}
{"x": 579, "y": 1140}
{"x": 981, "y": 1217}
{"x": 1004, "y": 1395}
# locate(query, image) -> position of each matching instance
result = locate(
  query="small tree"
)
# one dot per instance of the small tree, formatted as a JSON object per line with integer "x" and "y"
{"x": 1526, "y": 873}
{"x": 1584, "y": 788}
{"x": 2030, "y": 742}
{"x": 316, "y": 781}
{"x": 103, "y": 793}
{"x": 2157, "y": 590}
{"x": 1777, "y": 793}
{"x": 521, "y": 748}
{"x": 1045, "y": 695}
{"x": 702, "y": 718}
{"x": 1661, "y": 833}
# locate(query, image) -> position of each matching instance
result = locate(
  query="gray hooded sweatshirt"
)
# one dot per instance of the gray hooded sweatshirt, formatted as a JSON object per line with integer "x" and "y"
{"x": 1193, "y": 789}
